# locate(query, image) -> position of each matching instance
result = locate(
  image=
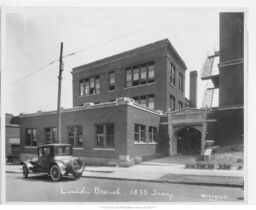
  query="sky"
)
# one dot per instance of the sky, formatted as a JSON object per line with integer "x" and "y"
{"x": 33, "y": 37}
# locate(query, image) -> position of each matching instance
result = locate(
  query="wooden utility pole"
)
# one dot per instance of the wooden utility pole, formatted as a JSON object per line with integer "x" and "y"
{"x": 59, "y": 95}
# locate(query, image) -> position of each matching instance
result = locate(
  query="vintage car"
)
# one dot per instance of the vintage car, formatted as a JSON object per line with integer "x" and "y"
{"x": 55, "y": 159}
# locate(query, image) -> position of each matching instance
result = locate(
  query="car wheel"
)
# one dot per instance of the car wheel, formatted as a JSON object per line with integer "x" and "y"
{"x": 76, "y": 175}
{"x": 55, "y": 173}
{"x": 25, "y": 171}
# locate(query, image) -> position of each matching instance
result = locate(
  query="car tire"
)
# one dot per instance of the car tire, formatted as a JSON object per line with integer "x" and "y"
{"x": 76, "y": 175}
{"x": 55, "y": 173}
{"x": 25, "y": 171}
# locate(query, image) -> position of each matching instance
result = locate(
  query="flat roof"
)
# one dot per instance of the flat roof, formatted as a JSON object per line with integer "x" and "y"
{"x": 165, "y": 43}
{"x": 89, "y": 106}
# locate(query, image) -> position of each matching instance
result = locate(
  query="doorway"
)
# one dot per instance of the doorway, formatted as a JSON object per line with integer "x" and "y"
{"x": 188, "y": 141}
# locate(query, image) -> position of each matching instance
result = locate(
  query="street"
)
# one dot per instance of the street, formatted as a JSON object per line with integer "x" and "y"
{"x": 38, "y": 188}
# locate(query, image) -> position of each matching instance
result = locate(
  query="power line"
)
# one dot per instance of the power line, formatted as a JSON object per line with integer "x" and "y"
{"x": 79, "y": 51}
{"x": 32, "y": 73}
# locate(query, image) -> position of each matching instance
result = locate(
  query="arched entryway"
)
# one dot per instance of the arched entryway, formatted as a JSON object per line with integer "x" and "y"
{"x": 188, "y": 141}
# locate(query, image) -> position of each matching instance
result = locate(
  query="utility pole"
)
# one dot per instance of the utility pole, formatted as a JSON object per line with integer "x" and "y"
{"x": 59, "y": 95}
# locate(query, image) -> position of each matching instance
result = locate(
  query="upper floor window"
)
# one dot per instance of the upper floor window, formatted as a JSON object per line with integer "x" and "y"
{"x": 147, "y": 101}
{"x": 75, "y": 135}
{"x": 89, "y": 86}
{"x": 112, "y": 80}
{"x": 180, "y": 105}
{"x": 172, "y": 103}
{"x": 30, "y": 134}
{"x": 151, "y": 72}
{"x": 181, "y": 82}
{"x": 140, "y": 74}
{"x": 128, "y": 77}
{"x": 105, "y": 135}
{"x": 50, "y": 135}
{"x": 173, "y": 75}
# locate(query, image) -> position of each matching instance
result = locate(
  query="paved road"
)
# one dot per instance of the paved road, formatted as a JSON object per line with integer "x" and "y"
{"x": 41, "y": 188}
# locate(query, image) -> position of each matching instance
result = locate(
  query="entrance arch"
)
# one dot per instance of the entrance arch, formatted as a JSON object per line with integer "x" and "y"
{"x": 188, "y": 141}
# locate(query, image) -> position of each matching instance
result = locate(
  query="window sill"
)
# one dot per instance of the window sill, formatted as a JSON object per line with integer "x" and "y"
{"x": 89, "y": 95}
{"x": 151, "y": 83}
{"x": 104, "y": 149}
{"x": 78, "y": 148}
{"x": 152, "y": 143}
{"x": 30, "y": 147}
{"x": 140, "y": 143}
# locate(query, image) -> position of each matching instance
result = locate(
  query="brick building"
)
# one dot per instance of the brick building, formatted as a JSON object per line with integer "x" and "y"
{"x": 12, "y": 138}
{"x": 153, "y": 75}
{"x": 115, "y": 100}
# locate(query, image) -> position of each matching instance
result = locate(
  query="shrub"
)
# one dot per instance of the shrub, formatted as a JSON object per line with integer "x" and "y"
{"x": 128, "y": 163}
{"x": 137, "y": 160}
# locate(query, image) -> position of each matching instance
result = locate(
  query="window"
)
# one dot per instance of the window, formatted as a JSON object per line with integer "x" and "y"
{"x": 152, "y": 131}
{"x": 105, "y": 135}
{"x": 172, "y": 75}
{"x": 89, "y": 86}
{"x": 97, "y": 85}
{"x": 31, "y": 137}
{"x": 112, "y": 81}
{"x": 151, "y": 72}
{"x": 128, "y": 77}
{"x": 143, "y": 74}
{"x": 75, "y": 135}
{"x": 181, "y": 82}
{"x": 180, "y": 105}
{"x": 172, "y": 103}
{"x": 110, "y": 135}
{"x": 40, "y": 152}
{"x": 139, "y": 133}
{"x": 143, "y": 101}
{"x": 50, "y": 135}
{"x": 140, "y": 74}
{"x": 81, "y": 87}
{"x": 151, "y": 101}
{"x": 47, "y": 151}
{"x": 147, "y": 101}
{"x": 135, "y": 76}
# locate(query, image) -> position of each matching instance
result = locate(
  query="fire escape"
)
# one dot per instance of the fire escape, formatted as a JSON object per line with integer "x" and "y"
{"x": 210, "y": 74}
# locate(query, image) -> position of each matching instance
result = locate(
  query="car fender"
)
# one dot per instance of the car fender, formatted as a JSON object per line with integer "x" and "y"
{"x": 28, "y": 165}
{"x": 62, "y": 167}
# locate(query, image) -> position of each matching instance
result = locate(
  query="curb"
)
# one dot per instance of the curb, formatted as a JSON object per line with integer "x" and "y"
{"x": 168, "y": 181}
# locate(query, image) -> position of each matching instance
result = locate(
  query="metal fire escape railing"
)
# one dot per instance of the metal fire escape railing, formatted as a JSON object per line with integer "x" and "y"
{"x": 212, "y": 80}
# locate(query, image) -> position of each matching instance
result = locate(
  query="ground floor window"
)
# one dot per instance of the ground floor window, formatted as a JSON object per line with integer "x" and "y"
{"x": 50, "y": 135}
{"x": 105, "y": 135}
{"x": 75, "y": 135}
{"x": 152, "y": 132}
{"x": 31, "y": 137}
{"x": 139, "y": 133}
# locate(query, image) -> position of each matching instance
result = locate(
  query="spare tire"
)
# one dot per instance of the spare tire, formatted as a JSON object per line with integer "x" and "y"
{"x": 77, "y": 166}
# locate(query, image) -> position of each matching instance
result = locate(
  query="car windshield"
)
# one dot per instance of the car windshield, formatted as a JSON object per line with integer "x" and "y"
{"x": 64, "y": 150}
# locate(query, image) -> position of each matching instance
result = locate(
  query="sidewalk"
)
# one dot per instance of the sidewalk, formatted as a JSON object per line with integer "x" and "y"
{"x": 161, "y": 172}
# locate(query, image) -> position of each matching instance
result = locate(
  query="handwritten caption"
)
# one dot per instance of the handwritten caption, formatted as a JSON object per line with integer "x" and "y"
{"x": 97, "y": 190}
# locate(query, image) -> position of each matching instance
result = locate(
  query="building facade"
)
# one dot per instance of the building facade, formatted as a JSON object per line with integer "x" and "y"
{"x": 152, "y": 75}
{"x": 12, "y": 138}
{"x": 119, "y": 130}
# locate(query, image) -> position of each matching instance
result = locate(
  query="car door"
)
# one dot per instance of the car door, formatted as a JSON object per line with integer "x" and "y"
{"x": 45, "y": 157}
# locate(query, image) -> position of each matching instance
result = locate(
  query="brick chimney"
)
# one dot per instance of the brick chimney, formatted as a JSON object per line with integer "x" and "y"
{"x": 193, "y": 89}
